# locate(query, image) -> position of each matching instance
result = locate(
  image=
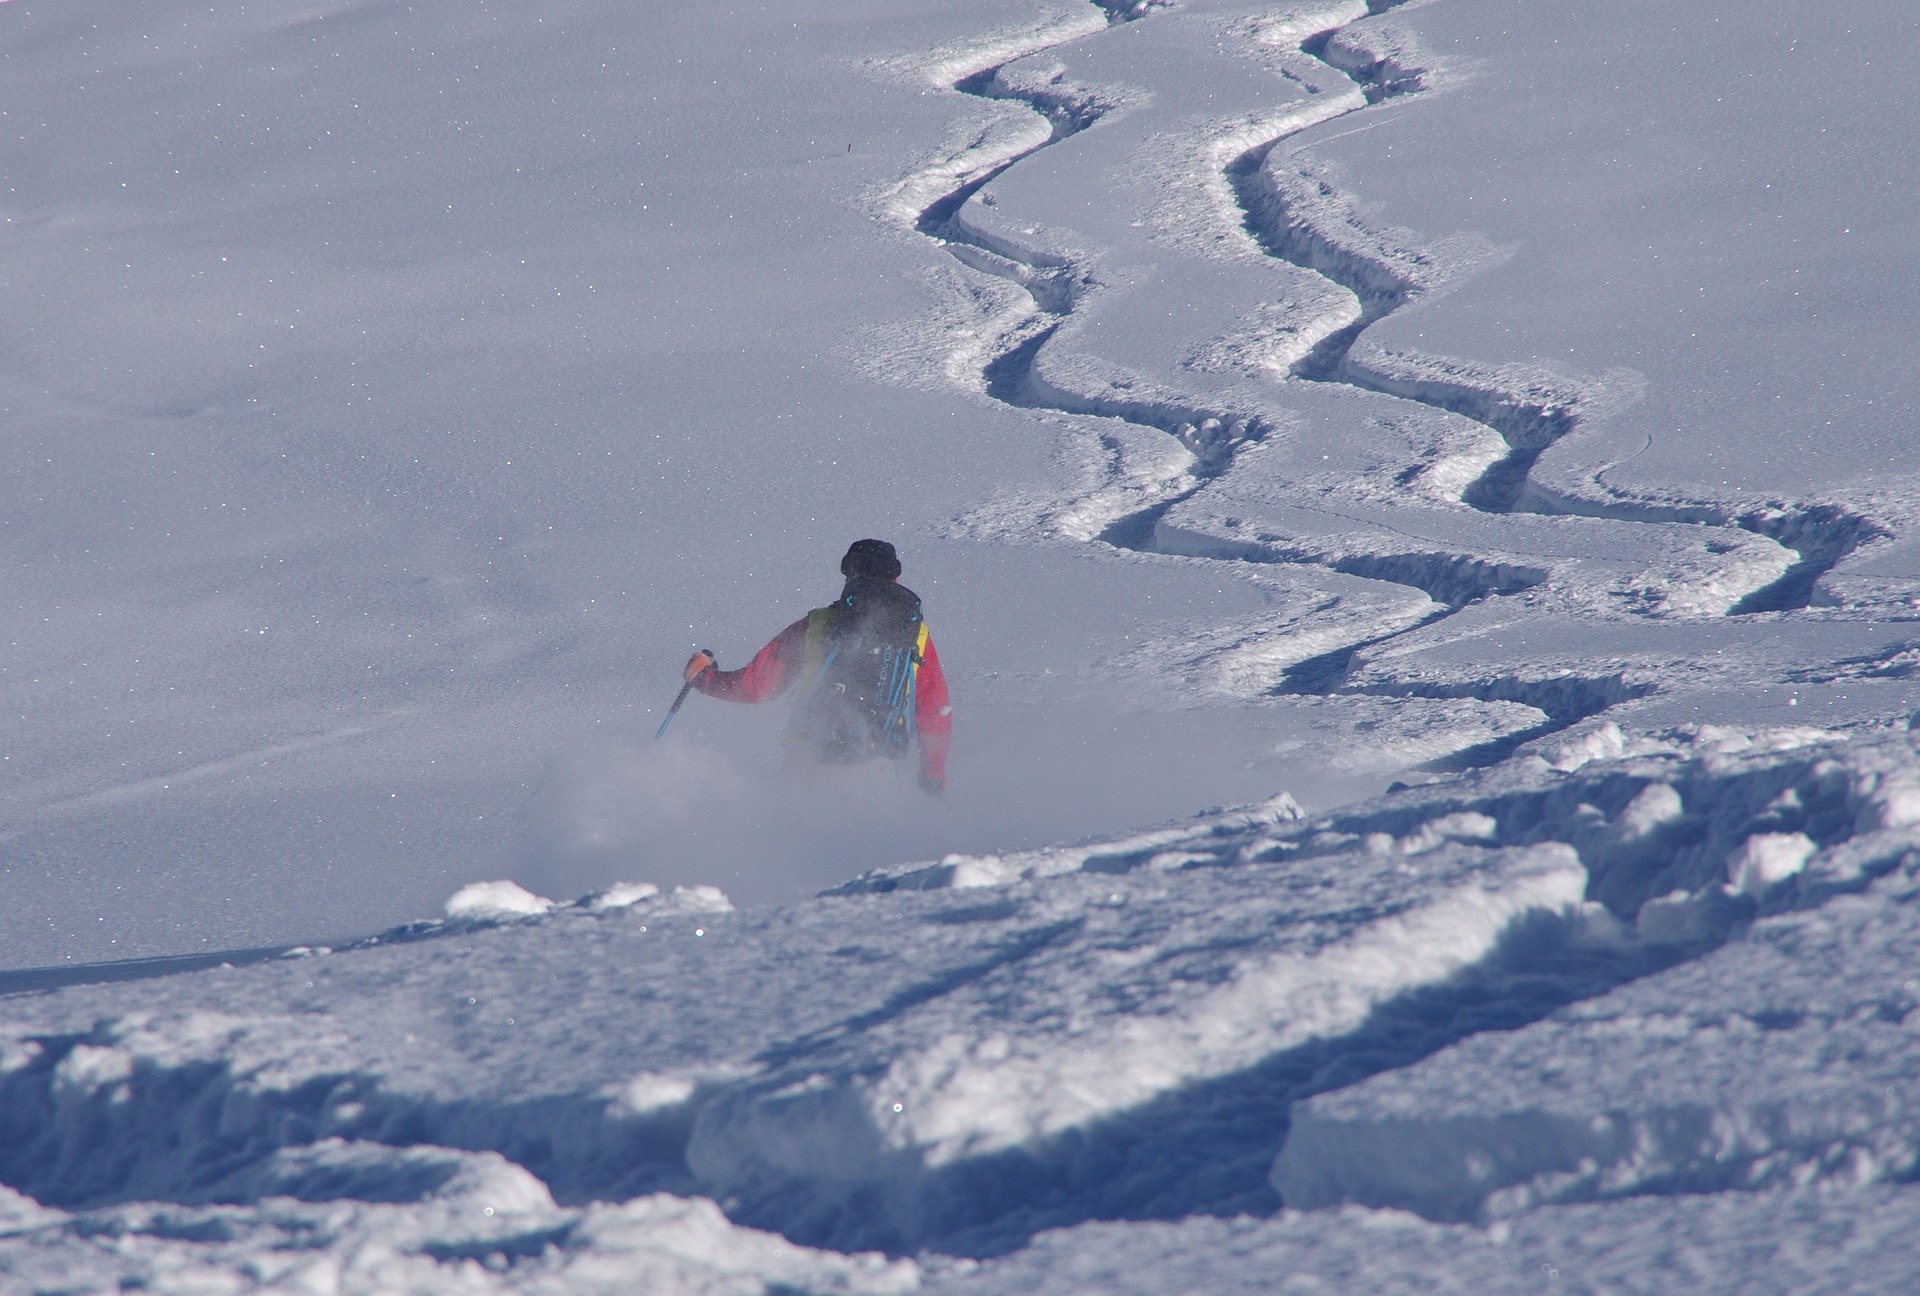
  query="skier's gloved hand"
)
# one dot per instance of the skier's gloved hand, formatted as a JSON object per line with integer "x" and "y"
{"x": 932, "y": 786}
{"x": 697, "y": 665}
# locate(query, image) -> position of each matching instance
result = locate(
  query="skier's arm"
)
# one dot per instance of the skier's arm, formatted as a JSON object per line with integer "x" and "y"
{"x": 933, "y": 716}
{"x": 772, "y": 670}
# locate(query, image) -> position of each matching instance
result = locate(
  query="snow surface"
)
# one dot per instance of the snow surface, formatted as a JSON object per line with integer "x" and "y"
{"x": 1509, "y": 402}
{"x": 1447, "y": 1000}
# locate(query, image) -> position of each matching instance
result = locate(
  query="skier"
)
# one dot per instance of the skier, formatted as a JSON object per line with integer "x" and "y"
{"x": 870, "y": 682}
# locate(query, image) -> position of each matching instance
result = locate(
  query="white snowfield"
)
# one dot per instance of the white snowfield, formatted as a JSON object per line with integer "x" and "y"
{"x": 1513, "y": 401}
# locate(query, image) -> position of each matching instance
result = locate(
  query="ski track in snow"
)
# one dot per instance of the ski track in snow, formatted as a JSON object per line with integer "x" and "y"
{"x": 1336, "y": 244}
{"x": 160, "y": 784}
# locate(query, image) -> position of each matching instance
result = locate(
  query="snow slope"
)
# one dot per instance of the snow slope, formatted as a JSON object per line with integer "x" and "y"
{"x": 1528, "y": 987}
{"x": 398, "y": 395}
{"x": 1503, "y": 401}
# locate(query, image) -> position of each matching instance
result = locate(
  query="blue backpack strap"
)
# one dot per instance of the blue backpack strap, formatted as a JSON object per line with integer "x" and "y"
{"x": 902, "y": 681}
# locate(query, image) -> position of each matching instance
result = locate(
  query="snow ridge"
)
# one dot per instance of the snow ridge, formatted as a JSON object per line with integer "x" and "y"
{"x": 1118, "y": 1029}
{"x": 1779, "y": 1060}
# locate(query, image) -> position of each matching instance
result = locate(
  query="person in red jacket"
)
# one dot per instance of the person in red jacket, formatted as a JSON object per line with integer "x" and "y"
{"x": 869, "y": 678}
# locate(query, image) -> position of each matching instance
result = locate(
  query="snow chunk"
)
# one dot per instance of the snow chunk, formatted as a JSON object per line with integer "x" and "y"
{"x": 1766, "y": 859}
{"x": 484, "y": 900}
{"x": 89, "y": 1067}
{"x": 1465, "y": 825}
{"x": 335, "y": 1169}
{"x": 621, "y": 895}
{"x": 646, "y": 896}
{"x": 1896, "y": 805}
{"x": 699, "y": 900}
{"x": 1670, "y": 919}
{"x": 648, "y": 1092}
{"x": 19, "y": 1212}
{"x": 677, "y": 1244}
{"x": 1569, "y": 750}
{"x": 1653, "y": 805}
{"x": 979, "y": 871}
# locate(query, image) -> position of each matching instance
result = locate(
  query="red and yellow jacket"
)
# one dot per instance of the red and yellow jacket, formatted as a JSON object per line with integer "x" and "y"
{"x": 794, "y": 653}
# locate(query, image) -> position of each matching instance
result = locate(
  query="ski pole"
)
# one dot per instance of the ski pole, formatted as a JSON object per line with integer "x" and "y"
{"x": 685, "y": 689}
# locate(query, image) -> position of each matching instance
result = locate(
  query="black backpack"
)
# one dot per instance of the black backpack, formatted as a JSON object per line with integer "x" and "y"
{"x": 859, "y": 699}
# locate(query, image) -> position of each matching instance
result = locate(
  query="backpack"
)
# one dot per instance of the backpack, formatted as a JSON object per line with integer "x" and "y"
{"x": 863, "y": 655}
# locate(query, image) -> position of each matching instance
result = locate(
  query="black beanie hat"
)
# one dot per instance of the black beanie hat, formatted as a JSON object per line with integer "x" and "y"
{"x": 873, "y": 558}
